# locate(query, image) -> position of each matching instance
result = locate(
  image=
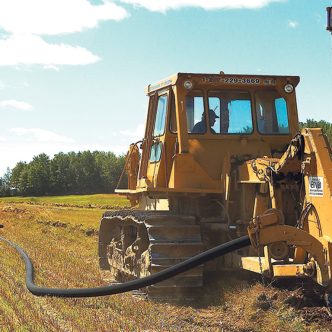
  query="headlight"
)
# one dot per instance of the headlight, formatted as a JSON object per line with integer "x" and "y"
{"x": 289, "y": 88}
{"x": 188, "y": 85}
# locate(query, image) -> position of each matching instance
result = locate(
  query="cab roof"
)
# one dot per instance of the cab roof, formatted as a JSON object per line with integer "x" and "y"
{"x": 222, "y": 78}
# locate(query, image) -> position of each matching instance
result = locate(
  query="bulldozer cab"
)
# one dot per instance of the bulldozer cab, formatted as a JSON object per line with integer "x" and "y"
{"x": 199, "y": 125}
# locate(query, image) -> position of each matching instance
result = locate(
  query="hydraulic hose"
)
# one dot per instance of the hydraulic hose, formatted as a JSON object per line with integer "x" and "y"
{"x": 172, "y": 271}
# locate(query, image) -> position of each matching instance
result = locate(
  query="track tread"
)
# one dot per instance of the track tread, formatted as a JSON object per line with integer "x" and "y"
{"x": 173, "y": 238}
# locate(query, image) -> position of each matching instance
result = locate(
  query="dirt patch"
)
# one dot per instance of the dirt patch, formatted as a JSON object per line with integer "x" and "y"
{"x": 265, "y": 301}
{"x": 317, "y": 315}
{"x": 91, "y": 232}
{"x": 8, "y": 212}
{"x": 13, "y": 210}
{"x": 57, "y": 223}
{"x": 311, "y": 306}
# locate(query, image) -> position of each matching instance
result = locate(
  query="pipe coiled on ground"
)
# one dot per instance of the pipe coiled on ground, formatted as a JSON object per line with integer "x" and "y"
{"x": 172, "y": 271}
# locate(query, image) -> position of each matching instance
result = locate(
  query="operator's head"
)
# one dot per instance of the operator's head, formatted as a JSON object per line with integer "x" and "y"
{"x": 212, "y": 117}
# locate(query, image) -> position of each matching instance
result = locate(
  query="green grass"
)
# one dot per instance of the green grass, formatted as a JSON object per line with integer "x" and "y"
{"x": 98, "y": 200}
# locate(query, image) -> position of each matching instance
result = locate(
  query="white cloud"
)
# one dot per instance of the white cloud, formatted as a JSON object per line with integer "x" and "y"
{"x": 134, "y": 135}
{"x": 164, "y": 5}
{"x": 51, "y": 67}
{"x": 54, "y": 17}
{"x": 30, "y": 49}
{"x": 293, "y": 24}
{"x": 41, "y": 135}
{"x": 11, "y": 103}
{"x": 3, "y": 139}
{"x": 24, "y": 22}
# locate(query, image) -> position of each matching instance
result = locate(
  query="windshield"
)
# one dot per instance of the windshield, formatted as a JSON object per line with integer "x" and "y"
{"x": 230, "y": 112}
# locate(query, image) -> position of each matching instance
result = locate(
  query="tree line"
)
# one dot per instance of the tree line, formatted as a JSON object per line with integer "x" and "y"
{"x": 66, "y": 173}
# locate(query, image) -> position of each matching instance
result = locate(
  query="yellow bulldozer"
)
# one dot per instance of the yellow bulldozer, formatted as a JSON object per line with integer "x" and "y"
{"x": 222, "y": 157}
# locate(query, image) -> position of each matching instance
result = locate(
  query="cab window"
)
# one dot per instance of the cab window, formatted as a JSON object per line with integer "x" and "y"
{"x": 195, "y": 112}
{"x": 155, "y": 153}
{"x": 272, "y": 113}
{"x": 159, "y": 127}
{"x": 230, "y": 112}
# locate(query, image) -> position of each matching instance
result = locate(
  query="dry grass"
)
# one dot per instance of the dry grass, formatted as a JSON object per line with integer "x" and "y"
{"x": 64, "y": 254}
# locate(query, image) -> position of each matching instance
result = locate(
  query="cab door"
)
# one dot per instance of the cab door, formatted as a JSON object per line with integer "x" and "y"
{"x": 157, "y": 145}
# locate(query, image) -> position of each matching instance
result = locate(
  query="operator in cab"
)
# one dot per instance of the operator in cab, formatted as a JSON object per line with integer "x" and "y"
{"x": 199, "y": 127}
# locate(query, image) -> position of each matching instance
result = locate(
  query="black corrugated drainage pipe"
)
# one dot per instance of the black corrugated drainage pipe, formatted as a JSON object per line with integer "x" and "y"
{"x": 172, "y": 271}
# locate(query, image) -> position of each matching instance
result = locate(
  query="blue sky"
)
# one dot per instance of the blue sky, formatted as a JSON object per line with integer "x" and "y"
{"x": 73, "y": 73}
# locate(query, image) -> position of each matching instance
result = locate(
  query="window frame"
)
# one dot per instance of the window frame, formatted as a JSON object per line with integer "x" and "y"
{"x": 172, "y": 113}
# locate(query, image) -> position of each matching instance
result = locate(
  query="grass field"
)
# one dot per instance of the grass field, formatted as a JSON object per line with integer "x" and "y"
{"x": 62, "y": 243}
{"x": 98, "y": 200}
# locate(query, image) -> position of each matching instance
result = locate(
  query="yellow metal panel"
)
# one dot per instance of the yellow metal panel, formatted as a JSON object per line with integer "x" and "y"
{"x": 187, "y": 173}
{"x": 318, "y": 167}
{"x": 161, "y": 84}
{"x": 288, "y": 270}
{"x": 252, "y": 264}
{"x": 279, "y": 270}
